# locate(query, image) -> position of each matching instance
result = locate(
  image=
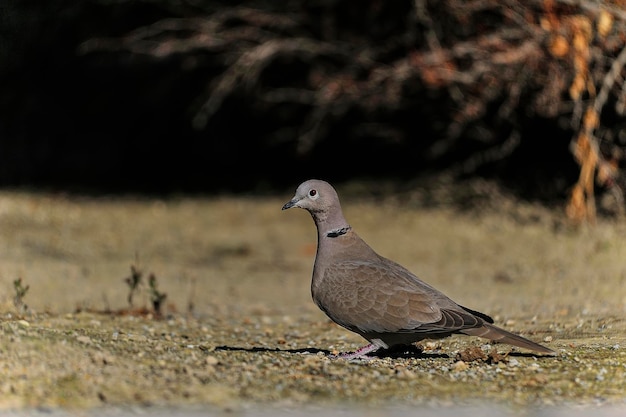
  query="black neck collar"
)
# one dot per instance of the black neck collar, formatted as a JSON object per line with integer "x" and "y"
{"x": 338, "y": 232}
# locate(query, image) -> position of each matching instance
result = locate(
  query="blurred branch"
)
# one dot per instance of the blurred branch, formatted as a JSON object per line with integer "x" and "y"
{"x": 208, "y": 33}
{"x": 581, "y": 204}
{"x": 246, "y": 71}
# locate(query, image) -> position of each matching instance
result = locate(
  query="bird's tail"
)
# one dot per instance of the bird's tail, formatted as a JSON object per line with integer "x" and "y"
{"x": 497, "y": 334}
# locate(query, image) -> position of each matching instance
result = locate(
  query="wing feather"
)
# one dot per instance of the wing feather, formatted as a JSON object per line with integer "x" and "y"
{"x": 384, "y": 297}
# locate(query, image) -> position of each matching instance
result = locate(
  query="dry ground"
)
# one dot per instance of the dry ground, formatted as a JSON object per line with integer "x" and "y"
{"x": 239, "y": 328}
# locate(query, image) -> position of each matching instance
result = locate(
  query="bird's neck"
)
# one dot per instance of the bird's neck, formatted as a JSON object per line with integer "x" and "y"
{"x": 334, "y": 235}
{"x": 330, "y": 224}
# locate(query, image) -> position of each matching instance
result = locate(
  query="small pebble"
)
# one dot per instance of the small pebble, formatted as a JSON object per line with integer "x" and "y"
{"x": 431, "y": 345}
{"x": 84, "y": 339}
{"x": 513, "y": 362}
{"x": 403, "y": 373}
{"x": 460, "y": 366}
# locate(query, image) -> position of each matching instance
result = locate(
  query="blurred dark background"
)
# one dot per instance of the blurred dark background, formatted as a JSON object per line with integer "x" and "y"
{"x": 162, "y": 96}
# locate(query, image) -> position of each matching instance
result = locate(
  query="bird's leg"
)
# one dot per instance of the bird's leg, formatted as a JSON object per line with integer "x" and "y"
{"x": 362, "y": 352}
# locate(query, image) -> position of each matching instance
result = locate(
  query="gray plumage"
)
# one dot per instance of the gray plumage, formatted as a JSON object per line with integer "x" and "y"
{"x": 376, "y": 297}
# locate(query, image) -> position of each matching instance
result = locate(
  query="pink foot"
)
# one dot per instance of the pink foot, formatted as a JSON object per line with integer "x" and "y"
{"x": 360, "y": 353}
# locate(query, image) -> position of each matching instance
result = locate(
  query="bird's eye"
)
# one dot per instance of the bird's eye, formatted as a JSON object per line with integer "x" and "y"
{"x": 313, "y": 193}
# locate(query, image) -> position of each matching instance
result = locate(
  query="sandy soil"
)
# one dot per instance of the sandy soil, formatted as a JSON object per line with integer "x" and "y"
{"x": 239, "y": 329}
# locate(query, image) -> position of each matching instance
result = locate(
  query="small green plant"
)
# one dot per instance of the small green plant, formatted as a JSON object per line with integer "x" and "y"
{"x": 156, "y": 296}
{"x": 20, "y": 293}
{"x": 133, "y": 281}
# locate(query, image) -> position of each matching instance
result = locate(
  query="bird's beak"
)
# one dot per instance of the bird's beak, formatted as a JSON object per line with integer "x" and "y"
{"x": 290, "y": 204}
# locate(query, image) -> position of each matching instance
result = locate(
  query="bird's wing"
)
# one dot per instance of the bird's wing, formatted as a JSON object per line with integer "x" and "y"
{"x": 382, "y": 296}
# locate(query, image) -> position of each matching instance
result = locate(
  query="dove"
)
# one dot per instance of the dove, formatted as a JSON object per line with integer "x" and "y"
{"x": 376, "y": 297}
